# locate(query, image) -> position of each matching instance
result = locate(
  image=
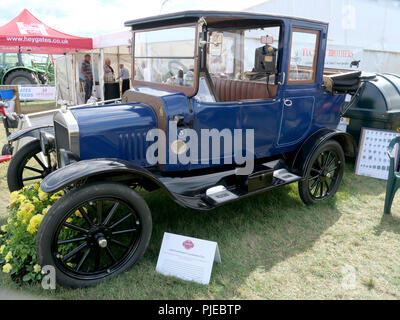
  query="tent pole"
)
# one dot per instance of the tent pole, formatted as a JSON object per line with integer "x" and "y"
{"x": 66, "y": 72}
{"x": 93, "y": 75}
{"x": 55, "y": 80}
{"x": 101, "y": 74}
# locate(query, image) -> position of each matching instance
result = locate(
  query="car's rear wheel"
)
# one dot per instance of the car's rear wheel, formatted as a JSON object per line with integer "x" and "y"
{"x": 323, "y": 174}
{"x": 94, "y": 232}
{"x": 28, "y": 166}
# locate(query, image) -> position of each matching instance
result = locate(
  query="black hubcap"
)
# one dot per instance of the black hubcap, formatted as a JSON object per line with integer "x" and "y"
{"x": 96, "y": 238}
{"x": 323, "y": 175}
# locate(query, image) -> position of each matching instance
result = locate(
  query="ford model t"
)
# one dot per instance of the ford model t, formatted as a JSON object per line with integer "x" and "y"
{"x": 223, "y": 106}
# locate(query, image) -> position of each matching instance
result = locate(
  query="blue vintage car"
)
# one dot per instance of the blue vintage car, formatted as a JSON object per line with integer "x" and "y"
{"x": 224, "y": 105}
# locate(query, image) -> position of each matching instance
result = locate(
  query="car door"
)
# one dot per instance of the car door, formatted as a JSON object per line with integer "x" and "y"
{"x": 298, "y": 98}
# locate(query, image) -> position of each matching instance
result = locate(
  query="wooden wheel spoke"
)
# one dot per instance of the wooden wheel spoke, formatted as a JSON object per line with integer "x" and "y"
{"x": 85, "y": 216}
{"x": 111, "y": 213}
{"x": 119, "y": 243}
{"x": 110, "y": 254}
{"x": 40, "y": 162}
{"x": 99, "y": 209}
{"x": 34, "y": 169}
{"x": 61, "y": 242}
{"x": 32, "y": 178}
{"x": 69, "y": 255}
{"x": 115, "y": 233}
{"x": 76, "y": 228}
{"x": 121, "y": 220}
{"x": 317, "y": 188}
{"x": 83, "y": 259}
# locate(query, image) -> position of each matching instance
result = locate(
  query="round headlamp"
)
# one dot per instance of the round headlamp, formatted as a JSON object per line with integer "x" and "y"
{"x": 47, "y": 142}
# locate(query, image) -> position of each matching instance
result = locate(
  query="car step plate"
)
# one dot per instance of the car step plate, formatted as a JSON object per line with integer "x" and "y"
{"x": 220, "y": 194}
{"x": 285, "y": 175}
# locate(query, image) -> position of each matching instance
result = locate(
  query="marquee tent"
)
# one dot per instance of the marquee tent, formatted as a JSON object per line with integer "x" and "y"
{"x": 27, "y": 34}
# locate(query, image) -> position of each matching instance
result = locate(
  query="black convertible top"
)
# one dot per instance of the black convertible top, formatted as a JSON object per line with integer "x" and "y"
{"x": 213, "y": 19}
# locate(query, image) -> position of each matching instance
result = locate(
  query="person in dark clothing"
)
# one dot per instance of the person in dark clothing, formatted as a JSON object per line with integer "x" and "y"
{"x": 86, "y": 70}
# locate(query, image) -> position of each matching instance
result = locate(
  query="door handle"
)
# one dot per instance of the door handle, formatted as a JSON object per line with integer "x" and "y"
{"x": 288, "y": 103}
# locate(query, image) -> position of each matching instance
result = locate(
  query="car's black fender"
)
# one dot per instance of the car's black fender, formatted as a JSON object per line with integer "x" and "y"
{"x": 33, "y": 132}
{"x": 101, "y": 169}
{"x": 304, "y": 153}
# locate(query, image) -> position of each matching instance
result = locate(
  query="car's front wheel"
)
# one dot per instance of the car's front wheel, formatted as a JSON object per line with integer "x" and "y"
{"x": 29, "y": 166}
{"x": 323, "y": 174}
{"x": 94, "y": 232}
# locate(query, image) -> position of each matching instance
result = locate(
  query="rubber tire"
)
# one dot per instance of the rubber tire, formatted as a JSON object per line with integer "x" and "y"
{"x": 14, "y": 174}
{"x": 57, "y": 213}
{"x": 30, "y": 76}
{"x": 303, "y": 186}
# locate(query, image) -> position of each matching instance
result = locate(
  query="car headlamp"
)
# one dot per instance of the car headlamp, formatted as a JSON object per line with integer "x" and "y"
{"x": 47, "y": 142}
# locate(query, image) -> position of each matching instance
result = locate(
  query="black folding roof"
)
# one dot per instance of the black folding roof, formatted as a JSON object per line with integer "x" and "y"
{"x": 213, "y": 18}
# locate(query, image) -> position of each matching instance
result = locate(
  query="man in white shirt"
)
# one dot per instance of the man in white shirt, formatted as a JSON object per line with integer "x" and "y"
{"x": 124, "y": 75}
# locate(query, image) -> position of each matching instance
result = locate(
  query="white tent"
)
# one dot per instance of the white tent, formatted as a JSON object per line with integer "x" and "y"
{"x": 115, "y": 46}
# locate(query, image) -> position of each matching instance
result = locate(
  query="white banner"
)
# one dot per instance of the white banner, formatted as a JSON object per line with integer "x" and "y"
{"x": 37, "y": 93}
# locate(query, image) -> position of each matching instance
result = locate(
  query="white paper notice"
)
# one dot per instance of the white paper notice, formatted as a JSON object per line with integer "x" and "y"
{"x": 187, "y": 258}
{"x": 373, "y": 160}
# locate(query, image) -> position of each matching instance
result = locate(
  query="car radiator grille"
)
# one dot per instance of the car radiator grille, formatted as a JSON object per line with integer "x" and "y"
{"x": 62, "y": 136}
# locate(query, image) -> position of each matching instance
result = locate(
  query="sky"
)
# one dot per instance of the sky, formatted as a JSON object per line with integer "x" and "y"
{"x": 91, "y": 17}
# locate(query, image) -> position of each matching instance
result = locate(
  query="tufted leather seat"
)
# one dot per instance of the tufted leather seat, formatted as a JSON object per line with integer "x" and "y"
{"x": 235, "y": 90}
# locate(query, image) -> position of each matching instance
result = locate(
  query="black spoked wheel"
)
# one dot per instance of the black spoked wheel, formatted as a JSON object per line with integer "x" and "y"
{"x": 324, "y": 173}
{"x": 94, "y": 232}
{"x": 29, "y": 166}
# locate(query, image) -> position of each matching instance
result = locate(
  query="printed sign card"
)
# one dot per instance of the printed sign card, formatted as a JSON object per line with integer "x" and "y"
{"x": 373, "y": 160}
{"x": 187, "y": 258}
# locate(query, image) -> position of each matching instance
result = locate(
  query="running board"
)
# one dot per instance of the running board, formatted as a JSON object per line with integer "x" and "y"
{"x": 233, "y": 188}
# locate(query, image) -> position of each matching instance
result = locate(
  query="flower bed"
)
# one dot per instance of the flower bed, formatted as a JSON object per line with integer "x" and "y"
{"x": 18, "y": 237}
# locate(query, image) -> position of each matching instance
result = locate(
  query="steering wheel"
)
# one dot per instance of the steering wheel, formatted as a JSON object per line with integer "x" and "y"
{"x": 174, "y": 66}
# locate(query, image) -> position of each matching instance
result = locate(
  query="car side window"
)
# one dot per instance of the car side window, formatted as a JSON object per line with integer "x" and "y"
{"x": 244, "y": 55}
{"x": 303, "y": 56}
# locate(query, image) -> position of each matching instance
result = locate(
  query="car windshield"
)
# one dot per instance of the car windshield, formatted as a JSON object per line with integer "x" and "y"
{"x": 166, "y": 56}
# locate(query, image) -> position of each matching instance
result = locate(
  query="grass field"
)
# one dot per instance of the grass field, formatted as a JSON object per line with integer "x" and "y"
{"x": 272, "y": 247}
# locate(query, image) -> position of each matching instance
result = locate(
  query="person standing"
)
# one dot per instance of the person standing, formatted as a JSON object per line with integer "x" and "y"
{"x": 86, "y": 70}
{"x": 124, "y": 75}
{"x": 108, "y": 72}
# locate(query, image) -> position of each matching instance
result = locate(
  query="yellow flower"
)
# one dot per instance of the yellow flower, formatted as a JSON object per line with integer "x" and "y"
{"x": 37, "y": 268}
{"x": 9, "y": 220}
{"x": 21, "y": 198}
{"x": 3, "y": 228}
{"x": 42, "y": 195}
{"x": 44, "y": 211}
{"x": 2, "y": 249}
{"x": 69, "y": 220}
{"x": 34, "y": 223}
{"x": 8, "y": 256}
{"x": 29, "y": 207}
{"x": 23, "y": 214}
{"x": 35, "y": 200}
{"x": 69, "y": 264}
{"x": 14, "y": 195}
{"x": 36, "y": 186}
{"x": 55, "y": 197}
{"x": 7, "y": 268}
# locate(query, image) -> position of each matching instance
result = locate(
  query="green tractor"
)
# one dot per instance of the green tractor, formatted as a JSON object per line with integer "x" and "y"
{"x": 25, "y": 69}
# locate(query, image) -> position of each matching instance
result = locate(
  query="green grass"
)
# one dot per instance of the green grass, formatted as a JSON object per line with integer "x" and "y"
{"x": 272, "y": 247}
